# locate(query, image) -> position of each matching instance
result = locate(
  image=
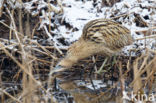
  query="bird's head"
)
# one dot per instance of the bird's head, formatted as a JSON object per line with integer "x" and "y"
{"x": 57, "y": 70}
{"x": 63, "y": 65}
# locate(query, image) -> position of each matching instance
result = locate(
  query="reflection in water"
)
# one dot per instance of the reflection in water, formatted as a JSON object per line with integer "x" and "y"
{"x": 82, "y": 94}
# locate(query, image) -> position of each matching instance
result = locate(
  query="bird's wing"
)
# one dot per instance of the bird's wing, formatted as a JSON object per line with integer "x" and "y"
{"x": 110, "y": 33}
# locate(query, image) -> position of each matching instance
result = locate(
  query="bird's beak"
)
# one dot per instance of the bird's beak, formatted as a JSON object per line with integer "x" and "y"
{"x": 57, "y": 70}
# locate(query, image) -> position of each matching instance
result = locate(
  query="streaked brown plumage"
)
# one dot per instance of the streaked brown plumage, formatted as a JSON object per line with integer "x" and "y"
{"x": 100, "y": 36}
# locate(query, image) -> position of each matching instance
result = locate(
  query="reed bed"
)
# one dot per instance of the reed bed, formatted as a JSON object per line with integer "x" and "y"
{"x": 25, "y": 63}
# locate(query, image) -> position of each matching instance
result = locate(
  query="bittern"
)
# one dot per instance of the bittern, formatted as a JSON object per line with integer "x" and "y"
{"x": 100, "y": 36}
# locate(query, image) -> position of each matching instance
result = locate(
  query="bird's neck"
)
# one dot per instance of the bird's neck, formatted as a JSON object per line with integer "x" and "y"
{"x": 79, "y": 50}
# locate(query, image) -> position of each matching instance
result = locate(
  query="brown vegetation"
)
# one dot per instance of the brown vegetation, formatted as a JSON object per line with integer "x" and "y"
{"x": 25, "y": 63}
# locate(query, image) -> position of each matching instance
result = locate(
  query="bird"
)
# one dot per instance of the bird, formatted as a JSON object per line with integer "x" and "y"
{"x": 99, "y": 36}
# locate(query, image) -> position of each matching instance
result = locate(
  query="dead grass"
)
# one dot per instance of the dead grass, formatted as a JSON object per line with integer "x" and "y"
{"x": 32, "y": 55}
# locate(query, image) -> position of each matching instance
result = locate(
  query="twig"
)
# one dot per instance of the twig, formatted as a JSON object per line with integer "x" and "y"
{"x": 35, "y": 58}
{"x": 43, "y": 48}
{"x": 145, "y": 29}
{"x": 10, "y": 96}
{"x": 1, "y": 7}
{"x": 142, "y": 71}
{"x": 120, "y": 16}
{"x": 30, "y": 40}
{"x": 146, "y": 37}
{"x": 13, "y": 22}
{"x": 58, "y": 50}
{"x": 33, "y": 31}
{"x": 103, "y": 64}
{"x": 22, "y": 67}
{"x": 11, "y": 28}
{"x": 53, "y": 8}
{"x": 50, "y": 37}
